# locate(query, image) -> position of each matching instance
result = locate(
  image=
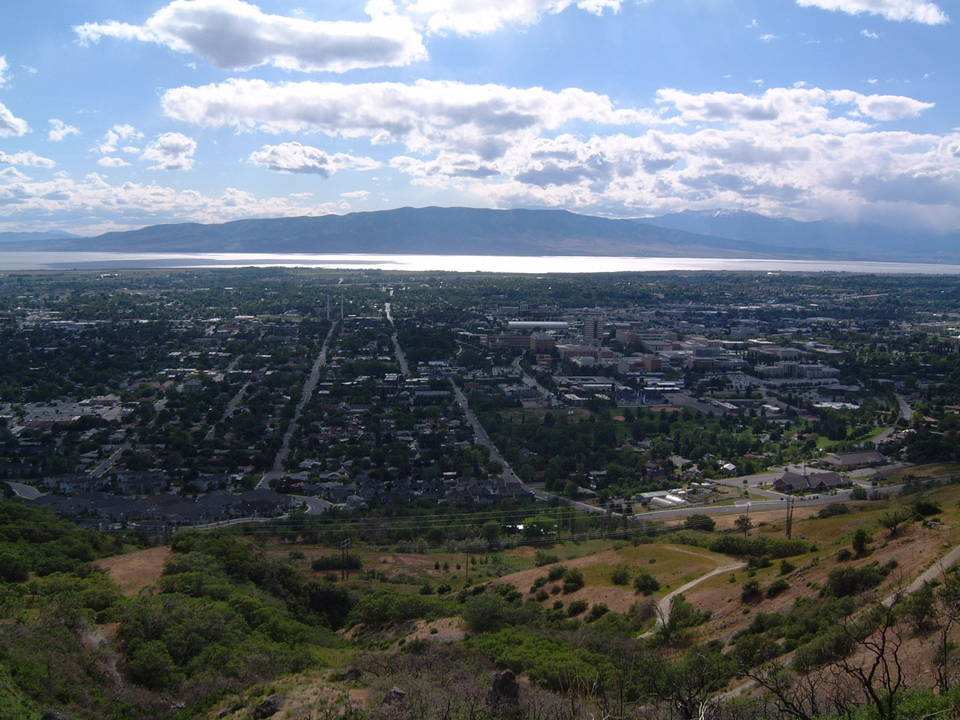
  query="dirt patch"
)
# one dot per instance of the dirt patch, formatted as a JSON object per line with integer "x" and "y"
{"x": 444, "y": 630}
{"x": 135, "y": 571}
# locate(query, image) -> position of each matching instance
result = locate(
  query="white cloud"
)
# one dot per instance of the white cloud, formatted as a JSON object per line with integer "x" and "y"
{"x": 93, "y": 204}
{"x": 800, "y": 108}
{"x": 919, "y": 11}
{"x": 26, "y": 159}
{"x": 292, "y": 157}
{"x": 59, "y": 130}
{"x": 112, "y": 162}
{"x": 236, "y": 35}
{"x": 111, "y": 139}
{"x": 425, "y": 115}
{"x": 10, "y": 124}
{"x": 769, "y": 37}
{"x": 170, "y": 151}
{"x": 870, "y": 34}
{"x": 356, "y": 194}
{"x": 475, "y": 17}
{"x": 4, "y": 70}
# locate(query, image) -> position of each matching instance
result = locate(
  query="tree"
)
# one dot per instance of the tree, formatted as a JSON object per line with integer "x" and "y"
{"x": 491, "y": 533}
{"x": 861, "y": 542}
{"x": 646, "y": 583}
{"x": 700, "y": 522}
{"x": 894, "y": 519}
{"x": 744, "y": 524}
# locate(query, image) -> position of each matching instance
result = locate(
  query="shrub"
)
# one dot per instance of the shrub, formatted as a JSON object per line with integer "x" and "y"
{"x": 572, "y": 582}
{"x": 846, "y": 581}
{"x": 833, "y": 509}
{"x": 786, "y": 567}
{"x": 844, "y": 554}
{"x": 646, "y": 583}
{"x": 751, "y": 591}
{"x": 700, "y": 522}
{"x": 336, "y": 562}
{"x": 542, "y": 558}
{"x": 777, "y": 587}
{"x": 597, "y": 611}
{"x": 577, "y": 607}
{"x": 620, "y": 575}
{"x": 926, "y": 508}
{"x": 556, "y": 573}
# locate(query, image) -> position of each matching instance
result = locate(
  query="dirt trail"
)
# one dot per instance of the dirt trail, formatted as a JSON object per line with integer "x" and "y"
{"x": 663, "y": 607}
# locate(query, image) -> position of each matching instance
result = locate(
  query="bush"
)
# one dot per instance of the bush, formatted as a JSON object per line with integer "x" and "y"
{"x": 844, "y": 554}
{"x": 336, "y": 562}
{"x": 926, "y": 508}
{"x": 556, "y": 573}
{"x": 777, "y": 587}
{"x": 572, "y": 582}
{"x": 700, "y": 522}
{"x": 542, "y": 558}
{"x": 846, "y": 581}
{"x": 786, "y": 567}
{"x": 646, "y": 583}
{"x": 12, "y": 568}
{"x": 833, "y": 509}
{"x": 597, "y": 611}
{"x": 577, "y": 607}
{"x": 620, "y": 575}
{"x": 751, "y": 591}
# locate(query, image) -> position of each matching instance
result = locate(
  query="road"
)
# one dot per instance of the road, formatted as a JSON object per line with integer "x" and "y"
{"x": 308, "y": 387}
{"x": 530, "y": 381}
{"x": 482, "y": 438}
{"x": 102, "y": 469}
{"x": 397, "y": 350}
{"x": 234, "y": 401}
{"x": 906, "y": 412}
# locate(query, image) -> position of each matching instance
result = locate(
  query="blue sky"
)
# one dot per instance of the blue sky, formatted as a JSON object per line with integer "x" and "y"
{"x": 116, "y": 115}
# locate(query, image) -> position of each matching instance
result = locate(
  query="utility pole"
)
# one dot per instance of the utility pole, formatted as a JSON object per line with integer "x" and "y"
{"x": 790, "y": 518}
{"x": 345, "y": 545}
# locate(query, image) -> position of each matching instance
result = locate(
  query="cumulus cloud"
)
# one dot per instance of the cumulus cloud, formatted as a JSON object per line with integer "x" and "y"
{"x": 870, "y": 34}
{"x": 919, "y": 11}
{"x": 236, "y": 35}
{"x": 356, "y": 194}
{"x": 170, "y": 151}
{"x": 26, "y": 159}
{"x": 474, "y": 17}
{"x": 802, "y": 108}
{"x": 10, "y": 124}
{"x": 59, "y": 130}
{"x": 292, "y": 157}
{"x": 93, "y": 204}
{"x": 112, "y": 162}
{"x": 111, "y": 139}
{"x": 424, "y": 115}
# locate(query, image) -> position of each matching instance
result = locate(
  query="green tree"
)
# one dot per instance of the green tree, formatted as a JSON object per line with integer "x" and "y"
{"x": 744, "y": 524}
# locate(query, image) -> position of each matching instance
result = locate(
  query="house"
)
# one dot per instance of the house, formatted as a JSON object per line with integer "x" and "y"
{"x": 865, "y": 458}
{"x": 791, "y": 482}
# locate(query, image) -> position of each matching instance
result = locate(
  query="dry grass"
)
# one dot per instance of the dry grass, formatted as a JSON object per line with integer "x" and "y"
{"x": 137, "y": 570}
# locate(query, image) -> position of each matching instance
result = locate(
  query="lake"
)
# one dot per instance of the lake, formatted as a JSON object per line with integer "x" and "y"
{"x": 452, "y": 263}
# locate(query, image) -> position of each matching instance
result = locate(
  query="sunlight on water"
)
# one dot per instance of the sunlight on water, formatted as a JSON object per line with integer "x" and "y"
{"x": 452, "y": 263}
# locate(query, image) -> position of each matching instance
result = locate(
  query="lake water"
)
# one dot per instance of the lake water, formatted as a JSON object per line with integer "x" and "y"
{"x": 453, "y": 263}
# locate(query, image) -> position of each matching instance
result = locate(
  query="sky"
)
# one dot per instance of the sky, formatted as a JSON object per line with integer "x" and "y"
{"x": 118, "y": 114}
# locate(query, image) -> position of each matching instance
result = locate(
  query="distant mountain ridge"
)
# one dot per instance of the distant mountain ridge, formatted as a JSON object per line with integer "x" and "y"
{"x": 474, "y": 231}
{"x": 860, "y": 241}
{"x": 430, "y": 230}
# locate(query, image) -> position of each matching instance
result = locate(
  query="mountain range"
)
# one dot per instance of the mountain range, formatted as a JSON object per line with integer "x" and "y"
{"x": 472, "y": 231}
